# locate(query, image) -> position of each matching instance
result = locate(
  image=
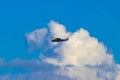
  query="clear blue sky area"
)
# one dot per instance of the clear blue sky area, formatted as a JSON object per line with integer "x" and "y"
{"x": 100, "y": 17}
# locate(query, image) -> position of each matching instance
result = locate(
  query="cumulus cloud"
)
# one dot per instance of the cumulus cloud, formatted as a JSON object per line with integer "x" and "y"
{"x": 35, "y": 70}
{"x": 35, "y": 39}
{"x": 118, "y": 76}
{"x": 82, "y": 49}
{"x": 82, "y": 57}
{"x": 57, "y": 30}
{"x": 34, "y": 76}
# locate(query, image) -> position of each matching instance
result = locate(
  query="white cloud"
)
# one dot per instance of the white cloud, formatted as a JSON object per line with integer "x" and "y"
{"x": 82, "y": 57}
{"x": 36, "y": 70}
{"x": 82, "y": 49}
{"x": 36, "y": 38}
{"x": 58, "y": 30}
{"x": 34, "y": 76}
{"x": 118, "y": 76}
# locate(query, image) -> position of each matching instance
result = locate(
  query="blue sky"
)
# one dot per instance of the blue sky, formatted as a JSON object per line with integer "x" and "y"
{"x": 100, "y": 18}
